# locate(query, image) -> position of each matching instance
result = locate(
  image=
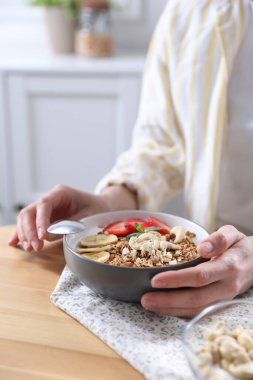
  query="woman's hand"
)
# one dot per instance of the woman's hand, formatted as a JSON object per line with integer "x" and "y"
{"x": 59, "y": 203}
{"x": 63, "y": 202}
{"x": 227, "y": 274}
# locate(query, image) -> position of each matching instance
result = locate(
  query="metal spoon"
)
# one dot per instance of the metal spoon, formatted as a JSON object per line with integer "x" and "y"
{"x": 64, "y": 227}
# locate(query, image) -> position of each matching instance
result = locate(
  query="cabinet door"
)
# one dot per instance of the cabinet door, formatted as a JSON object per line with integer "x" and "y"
{"x": 68, "y": 130}
{"x": 2, "y": 153}
{"x": 6, "y": 195}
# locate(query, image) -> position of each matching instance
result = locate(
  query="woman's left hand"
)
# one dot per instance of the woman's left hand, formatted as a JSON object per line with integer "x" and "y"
{"x": 227, "y": 274}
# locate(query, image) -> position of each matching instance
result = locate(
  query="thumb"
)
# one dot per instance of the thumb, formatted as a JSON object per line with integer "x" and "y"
{"x": 219, "y": 241}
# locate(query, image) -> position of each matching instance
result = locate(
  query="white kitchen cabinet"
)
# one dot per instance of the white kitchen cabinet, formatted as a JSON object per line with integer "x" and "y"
{"x": 2, "y": 152}
{"x": 63, "y": 121}
{"x": 6, "y": 199}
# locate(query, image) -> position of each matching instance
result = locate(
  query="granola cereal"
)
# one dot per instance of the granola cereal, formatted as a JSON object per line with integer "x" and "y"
{"x": 142, "y": 250}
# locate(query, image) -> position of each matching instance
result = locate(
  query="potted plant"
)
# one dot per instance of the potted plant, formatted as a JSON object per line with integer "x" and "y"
{"x": 61, "y": 19}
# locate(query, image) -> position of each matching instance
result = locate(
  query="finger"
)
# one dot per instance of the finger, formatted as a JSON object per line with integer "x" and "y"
{"x": 28, "y": 224}
{"x": 43, "y": 215}
{"x": 43, "y": 220}
{"x": 21, "y": 235}
{"x": 201, "y": 275}
{"x": 219, "y": 241}
{"x": 13, "y": 241}
{"x": 55, "y": 205}
{"x": 179, "y": 312}
{"x": 188, "y": 299}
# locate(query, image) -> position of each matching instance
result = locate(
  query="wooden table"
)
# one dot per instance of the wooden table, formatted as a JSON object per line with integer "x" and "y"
{"x": 37, "y": 340}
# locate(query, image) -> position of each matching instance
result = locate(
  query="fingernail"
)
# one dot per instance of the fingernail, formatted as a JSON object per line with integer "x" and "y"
{"x": 34, "y": 245}
{"x": 148, "y": 304}
{"x": 40, "y": 233}
{"x": 158, "y": 284}
{"x": 25, "y": 245}
{"x": 207, "y": 247}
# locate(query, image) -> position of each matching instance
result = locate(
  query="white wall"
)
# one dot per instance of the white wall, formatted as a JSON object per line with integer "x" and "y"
{"x": 22, "y": 25}
{"x": 137, "y": 33}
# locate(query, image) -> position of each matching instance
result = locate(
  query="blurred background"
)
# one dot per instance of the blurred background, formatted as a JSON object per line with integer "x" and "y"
{"x": 70, "y": 79}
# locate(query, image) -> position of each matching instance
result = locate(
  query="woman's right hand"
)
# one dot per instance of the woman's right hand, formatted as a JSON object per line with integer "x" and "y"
{"x": 61, "y": 202}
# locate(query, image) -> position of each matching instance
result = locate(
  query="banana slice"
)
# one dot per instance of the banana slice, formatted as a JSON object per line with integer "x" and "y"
{"x": 98, "y": 240}
{"x": 91, "y": 250}
{"x": 101, "y": 257}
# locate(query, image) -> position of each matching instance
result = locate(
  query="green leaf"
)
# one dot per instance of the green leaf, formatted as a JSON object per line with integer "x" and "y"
{"x": 138, "y": 227}
{"x": 71, "y": 7}
{"x": 46, "y": 3}
{"x": 133, "y": 234}
{"x": 152, "y": 229}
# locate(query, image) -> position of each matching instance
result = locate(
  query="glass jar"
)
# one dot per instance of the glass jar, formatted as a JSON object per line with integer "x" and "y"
{"x": 94, "y": 36}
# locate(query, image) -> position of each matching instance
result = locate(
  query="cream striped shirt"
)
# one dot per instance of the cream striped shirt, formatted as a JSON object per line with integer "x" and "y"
{"x": 178, "y": 138}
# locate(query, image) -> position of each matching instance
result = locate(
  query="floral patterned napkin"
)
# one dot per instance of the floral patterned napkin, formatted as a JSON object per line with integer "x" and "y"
{"x": 148, "y": 342}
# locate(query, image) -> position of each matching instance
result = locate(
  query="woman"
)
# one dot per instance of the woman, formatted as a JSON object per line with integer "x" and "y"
{"x": 195, "y": 105}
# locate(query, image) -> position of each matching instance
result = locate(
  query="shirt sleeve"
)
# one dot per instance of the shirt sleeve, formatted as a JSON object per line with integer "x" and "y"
{"x": 179, "y": 134}
{"x": 154, "y": 165}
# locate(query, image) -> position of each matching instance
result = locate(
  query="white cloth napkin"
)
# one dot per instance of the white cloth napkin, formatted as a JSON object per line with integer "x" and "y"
{"x": 150, "y": 343}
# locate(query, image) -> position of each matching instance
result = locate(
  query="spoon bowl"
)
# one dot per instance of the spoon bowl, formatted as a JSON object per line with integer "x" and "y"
{"x": 65, "y": 227}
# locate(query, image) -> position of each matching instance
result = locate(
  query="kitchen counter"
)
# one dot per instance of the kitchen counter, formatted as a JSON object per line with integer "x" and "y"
{"x": 37, "y": 340}
{"x": 34, "y": 60}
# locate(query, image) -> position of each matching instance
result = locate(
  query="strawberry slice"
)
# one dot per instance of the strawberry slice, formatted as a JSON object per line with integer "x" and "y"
{"x": 130, "y": 224}
{"x": 117, "y": 228}
{"x": 152, "y": 221}
{"x": 146, "y": 225}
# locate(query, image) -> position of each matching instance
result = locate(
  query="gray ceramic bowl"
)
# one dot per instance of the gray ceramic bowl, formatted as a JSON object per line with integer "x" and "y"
{"x": 121, "y": 283}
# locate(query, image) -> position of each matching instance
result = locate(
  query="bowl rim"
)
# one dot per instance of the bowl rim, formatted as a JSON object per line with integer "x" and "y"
{"x": 178, "y": 266}
{"x": 207, "y": 310}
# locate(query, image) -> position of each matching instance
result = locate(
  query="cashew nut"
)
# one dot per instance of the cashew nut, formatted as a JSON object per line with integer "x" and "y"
{"x": 245, "y": 340}
{"x": 179, "y": 232}
{"x": 230, "y": 350}
{"x": 244, "y": 371}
